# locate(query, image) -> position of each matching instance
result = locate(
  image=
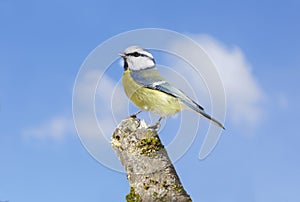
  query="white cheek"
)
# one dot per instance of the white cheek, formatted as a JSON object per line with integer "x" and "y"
{"x": 145, "y": 62}
{"x": 140, "y": 63}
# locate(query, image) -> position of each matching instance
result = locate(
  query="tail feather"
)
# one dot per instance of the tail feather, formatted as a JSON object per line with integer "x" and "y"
{"x": 210, "y": 118}
{"x": 194, "y": 106}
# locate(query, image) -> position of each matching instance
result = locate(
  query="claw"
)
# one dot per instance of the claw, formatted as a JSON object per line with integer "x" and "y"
{"x": 134, "y": 115}
{"x": 156, "y": 126}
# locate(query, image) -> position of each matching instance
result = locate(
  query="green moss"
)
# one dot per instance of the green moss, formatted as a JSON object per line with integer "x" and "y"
{"x": 178, "y": 188}
{"x": 165, "y": 185}
{"x": 146, "y": 187}
{"x": 155, "y": 182}
{"x": 149, "y": 145}
{"x": 132, "y": 196}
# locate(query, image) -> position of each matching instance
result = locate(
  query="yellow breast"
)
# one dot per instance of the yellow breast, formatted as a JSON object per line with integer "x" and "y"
{"x": 147, "y": 99}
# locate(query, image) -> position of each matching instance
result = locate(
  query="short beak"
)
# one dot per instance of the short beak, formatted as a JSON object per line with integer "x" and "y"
{"x": 122, "y": 54}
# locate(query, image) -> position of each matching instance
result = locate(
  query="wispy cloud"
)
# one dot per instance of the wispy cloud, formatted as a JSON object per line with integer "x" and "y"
{"x": 244, "y": 95}
{"x": 99, "y": 105}
{"x": 111, "y": 105}
{"x": 243, "y": 92}
{"x": 55, "y": 128}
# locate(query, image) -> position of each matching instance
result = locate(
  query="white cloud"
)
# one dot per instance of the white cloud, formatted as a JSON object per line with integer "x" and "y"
{"x": 243, "y": 93}
{"x": 56, "y": 128}
{"x": 244, "y": 96}
{"x": 111, "y": 105}
{"x": 99, "y": 105}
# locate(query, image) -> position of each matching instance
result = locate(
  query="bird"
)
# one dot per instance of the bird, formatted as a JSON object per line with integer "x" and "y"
{"x": 149, "y": 91}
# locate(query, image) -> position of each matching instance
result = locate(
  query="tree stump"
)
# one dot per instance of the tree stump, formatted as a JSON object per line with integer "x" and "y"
{"x": 150, "y": 173}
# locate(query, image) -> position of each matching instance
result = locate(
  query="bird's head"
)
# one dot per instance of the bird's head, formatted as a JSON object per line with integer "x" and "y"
{"x": 136, "y": 58}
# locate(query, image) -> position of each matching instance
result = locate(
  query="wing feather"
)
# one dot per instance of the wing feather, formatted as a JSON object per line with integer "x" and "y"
{"x": 151, "y": 79}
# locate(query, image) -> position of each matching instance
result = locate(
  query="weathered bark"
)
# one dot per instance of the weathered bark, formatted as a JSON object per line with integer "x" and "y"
{"x": 150, "y": 173}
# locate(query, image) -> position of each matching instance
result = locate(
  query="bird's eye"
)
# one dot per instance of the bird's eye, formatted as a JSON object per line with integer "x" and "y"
{"x": 136, "y": 54}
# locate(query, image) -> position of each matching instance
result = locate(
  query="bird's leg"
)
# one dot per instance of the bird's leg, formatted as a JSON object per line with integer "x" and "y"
{"x": 156, "y": 126}
{"x": 134, "y": 115}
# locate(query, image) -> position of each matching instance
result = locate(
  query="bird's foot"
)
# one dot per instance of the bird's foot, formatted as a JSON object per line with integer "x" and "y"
{"x": 156, "y": 126}
{"x": 134, "y": 115}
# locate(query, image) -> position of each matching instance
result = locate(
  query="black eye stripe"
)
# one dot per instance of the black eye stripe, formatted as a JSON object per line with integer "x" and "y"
{"x": 136, "y": 54}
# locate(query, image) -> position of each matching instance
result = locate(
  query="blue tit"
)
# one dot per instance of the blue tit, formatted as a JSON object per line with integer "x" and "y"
{"x": 149, "y": 91}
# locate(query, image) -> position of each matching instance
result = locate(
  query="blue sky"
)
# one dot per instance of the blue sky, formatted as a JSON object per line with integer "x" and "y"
{"x": 42, "y": 47}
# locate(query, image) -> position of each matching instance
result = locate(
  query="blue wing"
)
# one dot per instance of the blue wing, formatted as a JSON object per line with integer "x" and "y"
{"x": 151, "y": 79}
